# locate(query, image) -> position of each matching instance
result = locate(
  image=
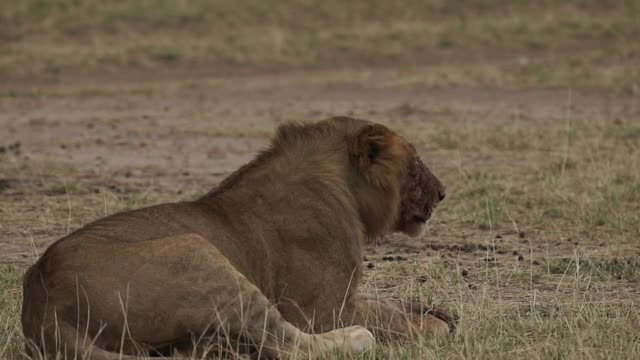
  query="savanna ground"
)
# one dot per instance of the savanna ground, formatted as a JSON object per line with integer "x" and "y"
{"x": 528, "y": 112}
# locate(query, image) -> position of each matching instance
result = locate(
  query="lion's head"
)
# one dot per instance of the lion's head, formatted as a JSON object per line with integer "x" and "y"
{"x": 401, "y": 192}
{"x": 420, "y": 193}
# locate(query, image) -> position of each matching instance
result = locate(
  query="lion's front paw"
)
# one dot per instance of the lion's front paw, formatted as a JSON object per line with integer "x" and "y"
{"x": 356, "y": 339}
{"x": 432, "y": 320}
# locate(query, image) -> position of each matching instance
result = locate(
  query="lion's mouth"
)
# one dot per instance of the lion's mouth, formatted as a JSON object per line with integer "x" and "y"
{"x": 422, "y": 218}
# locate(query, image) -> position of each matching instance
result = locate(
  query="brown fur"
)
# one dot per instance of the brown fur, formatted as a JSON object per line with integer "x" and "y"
{"x": 268, "y": 256}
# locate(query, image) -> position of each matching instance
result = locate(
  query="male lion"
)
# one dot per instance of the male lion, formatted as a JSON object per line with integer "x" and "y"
{"x": 269, "y": 260}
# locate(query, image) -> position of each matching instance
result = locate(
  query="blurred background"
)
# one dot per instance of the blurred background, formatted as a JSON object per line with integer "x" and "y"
{"x": 580, "y": 44}
{"x": 528, "y": 111}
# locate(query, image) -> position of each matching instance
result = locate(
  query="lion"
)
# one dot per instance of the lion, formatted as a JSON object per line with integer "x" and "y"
{"x": 269, "y": 260}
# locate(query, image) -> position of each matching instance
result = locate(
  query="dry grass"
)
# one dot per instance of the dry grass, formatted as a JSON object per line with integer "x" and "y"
{"x": 11, "y": 343}
{"x": 562, "y": 193}
{"x": 536, "y": 245}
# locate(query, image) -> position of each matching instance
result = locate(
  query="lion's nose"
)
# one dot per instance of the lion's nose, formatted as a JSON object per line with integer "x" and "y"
{"x": 441, "y": 194}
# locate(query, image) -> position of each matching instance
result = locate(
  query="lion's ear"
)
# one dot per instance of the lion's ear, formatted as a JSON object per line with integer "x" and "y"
{"x": 371, "y": 146}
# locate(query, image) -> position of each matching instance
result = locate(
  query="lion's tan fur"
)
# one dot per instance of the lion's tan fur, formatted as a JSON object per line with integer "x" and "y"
{"x": 284, "y": 232}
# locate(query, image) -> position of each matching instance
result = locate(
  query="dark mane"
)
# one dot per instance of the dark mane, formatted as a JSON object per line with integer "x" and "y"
{"x": 287, "y": 136}
{"x": 297, "y": 132}
{"x": 262, "y": 158}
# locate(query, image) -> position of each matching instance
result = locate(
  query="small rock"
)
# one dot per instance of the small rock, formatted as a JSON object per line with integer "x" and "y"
{"x": 388, "y": 258}
{"x": 464, "y": 273}
{"x": 4, "y": 185}
{"x": 520, "y": 258}
{"x": 486, "y": 247}
{"x": 437, "y": 247}
{"x": 370, "y": 265}
{"x": 523, "y": 61}
{"x": 15, "y": 148}
{"x": 536, "y": 262}
{"x": 115, "y": 189}
{"x": 468, "y": 248}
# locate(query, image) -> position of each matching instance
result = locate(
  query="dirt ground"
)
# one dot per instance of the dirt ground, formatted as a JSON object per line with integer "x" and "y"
{"x": 83, "y": 146}
{"x": 73, "y": 152}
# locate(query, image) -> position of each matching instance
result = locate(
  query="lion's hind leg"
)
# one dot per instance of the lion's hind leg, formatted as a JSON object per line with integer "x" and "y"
{"x": 226, "y": 304}
{"x": 66, "y": 342}
{"x": 159, "y": 295}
